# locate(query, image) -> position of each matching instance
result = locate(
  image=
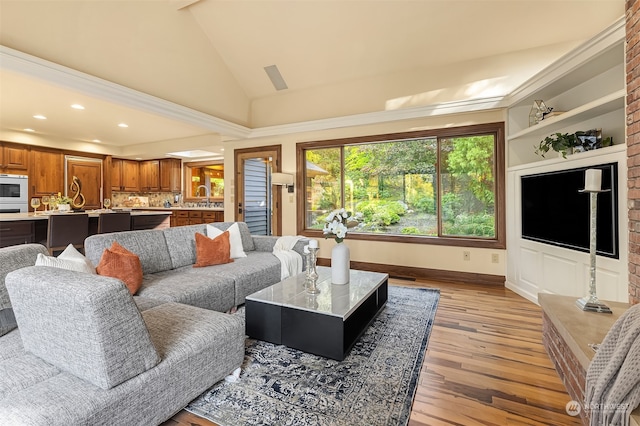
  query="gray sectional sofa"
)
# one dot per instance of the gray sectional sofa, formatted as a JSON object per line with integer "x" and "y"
{"x": 85, "y": 352}
{"x": 168, "y": 255}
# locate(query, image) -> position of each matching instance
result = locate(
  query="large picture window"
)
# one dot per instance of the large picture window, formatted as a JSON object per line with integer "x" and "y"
{"x": 441, "y": 186}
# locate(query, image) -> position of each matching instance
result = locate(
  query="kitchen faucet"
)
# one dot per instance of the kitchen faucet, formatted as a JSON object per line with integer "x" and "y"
{"x": 207, "y": 193}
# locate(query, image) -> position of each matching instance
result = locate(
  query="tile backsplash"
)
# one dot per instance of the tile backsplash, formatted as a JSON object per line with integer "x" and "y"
{"x": 156, "y": 199}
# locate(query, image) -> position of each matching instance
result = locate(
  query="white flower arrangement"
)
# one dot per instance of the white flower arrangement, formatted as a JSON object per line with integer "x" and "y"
{"x": 336, "y": 225}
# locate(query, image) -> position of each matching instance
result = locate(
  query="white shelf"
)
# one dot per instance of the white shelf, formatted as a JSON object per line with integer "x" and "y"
{"x": 596, "y": 108}
{"x": 571, "y": 158}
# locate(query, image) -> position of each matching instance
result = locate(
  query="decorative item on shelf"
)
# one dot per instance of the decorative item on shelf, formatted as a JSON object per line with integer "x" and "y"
{"x": 568, "y": 143}
{"x": 311, "y": 279}
{"x": 62, "y": 202}
{"x": 538, "y": 112}
{"x": 336, "y": 227}
{"x": 552, "y": 114}
{"x": 592, "y": 186}
{"x": 77, "y": 199}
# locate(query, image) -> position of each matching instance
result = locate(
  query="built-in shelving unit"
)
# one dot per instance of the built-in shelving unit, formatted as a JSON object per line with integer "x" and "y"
{"x": 588, "y": 87}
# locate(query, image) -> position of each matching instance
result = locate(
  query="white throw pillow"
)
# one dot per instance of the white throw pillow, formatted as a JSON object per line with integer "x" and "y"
{"x": 70, "y": 259}
{"x": 235, "y": 240}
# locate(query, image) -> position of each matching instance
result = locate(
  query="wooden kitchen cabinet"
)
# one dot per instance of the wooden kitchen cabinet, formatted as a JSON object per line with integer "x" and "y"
{"x": 150, "y": 175}
{"x": 47, "y": 172}
{"x": 13, "y": 158}
{"x": 194, "y": 217}
{"x": 125, "y": 175}
{"x": 170, "y": 173}
{"x": 215, "y": 216}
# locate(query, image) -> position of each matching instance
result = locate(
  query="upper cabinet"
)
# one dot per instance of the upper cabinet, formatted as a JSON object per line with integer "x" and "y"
{"x": 587, "y": 87}
{"x": 125, "y": 175}
{"x": 150, "y": 175}
{"x": 13, "y": 158}
{"x": 146, "y": 176}
{"x": 170, "y": 172}
{"x": 47, "y": 172}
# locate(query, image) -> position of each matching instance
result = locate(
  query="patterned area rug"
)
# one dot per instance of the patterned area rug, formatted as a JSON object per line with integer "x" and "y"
{"x": 373, "y": 385}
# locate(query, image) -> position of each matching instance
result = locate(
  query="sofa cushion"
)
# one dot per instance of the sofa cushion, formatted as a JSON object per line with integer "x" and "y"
{"x": 118, "y": 262}
{"x": 235, "y": 239}
{"x": 12, "y": 258}
{"x": 212, "y": 251}
{"x": 245, "y": 234}
{"x": 70, "y": 259}
{"x": 149, "y": 245}
{"x": 250, "y": 274}
{"x": 201, "y": 287}
{"x": 181, "y": 244}
{"x": 91, "y": 329}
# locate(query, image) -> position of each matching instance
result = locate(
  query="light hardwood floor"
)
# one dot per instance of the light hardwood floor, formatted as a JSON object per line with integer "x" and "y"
{"x": 485, "y": 364}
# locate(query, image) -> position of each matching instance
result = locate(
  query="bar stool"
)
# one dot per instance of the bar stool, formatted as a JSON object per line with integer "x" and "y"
{"x": 65, "y": 229}
{"x": 114, "y": 222}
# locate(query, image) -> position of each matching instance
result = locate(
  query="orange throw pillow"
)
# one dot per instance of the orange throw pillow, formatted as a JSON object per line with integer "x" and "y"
{"x": 118, "y": 262}
{"x": 214, "y": 251}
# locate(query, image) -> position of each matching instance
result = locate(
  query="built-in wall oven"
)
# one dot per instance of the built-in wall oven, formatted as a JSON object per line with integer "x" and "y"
{"x": 14, "y": 193}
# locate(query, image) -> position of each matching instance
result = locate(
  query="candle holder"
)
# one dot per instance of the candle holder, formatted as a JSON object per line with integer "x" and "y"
{"x": 591, "y": 302}
{"x": 307, "y": 263}
{"x": 312, "y": 273}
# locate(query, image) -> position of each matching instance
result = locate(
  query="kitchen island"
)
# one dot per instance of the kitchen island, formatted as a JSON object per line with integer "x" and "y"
{"x": 22, "y": 228}
{"x": 183, "y": 215}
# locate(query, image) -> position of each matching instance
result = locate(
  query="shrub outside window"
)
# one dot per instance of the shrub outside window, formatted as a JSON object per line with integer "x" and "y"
{"x": 443, "y": 186}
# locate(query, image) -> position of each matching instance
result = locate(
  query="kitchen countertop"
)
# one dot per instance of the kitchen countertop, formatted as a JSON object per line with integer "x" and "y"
{"x": 173, "y": 208}
{"x": 6, "y": 217}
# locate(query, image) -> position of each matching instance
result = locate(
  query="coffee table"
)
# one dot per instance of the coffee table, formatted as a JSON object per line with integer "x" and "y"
{"x": 326, "y": 324}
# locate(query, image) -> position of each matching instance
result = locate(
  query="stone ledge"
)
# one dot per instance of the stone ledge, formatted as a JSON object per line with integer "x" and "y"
{"x": 567, "y": 332}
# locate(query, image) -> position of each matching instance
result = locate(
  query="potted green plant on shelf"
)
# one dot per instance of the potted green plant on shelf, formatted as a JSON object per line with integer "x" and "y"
{"x": 567, "y": 143}
{"x": 559, "y": 142}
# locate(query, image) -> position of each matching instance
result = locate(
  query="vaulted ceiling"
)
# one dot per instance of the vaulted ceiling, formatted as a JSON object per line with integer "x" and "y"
{"x": 208, "y": 56}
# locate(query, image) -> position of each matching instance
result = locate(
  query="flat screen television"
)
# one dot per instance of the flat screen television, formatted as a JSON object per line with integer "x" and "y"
{"x": 555, "y": 212}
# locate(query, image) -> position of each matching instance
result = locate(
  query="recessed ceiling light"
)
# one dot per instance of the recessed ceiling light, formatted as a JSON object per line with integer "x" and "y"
{"x": 40, "y": 117}
{"x": 221, "y": 149}
{"x": 138, "y": 158}
{"x": 96, "y": 140}
{"x": 77, "y": 106}
{"x": 28, "y": 130}
{"x": 123, "y": 125}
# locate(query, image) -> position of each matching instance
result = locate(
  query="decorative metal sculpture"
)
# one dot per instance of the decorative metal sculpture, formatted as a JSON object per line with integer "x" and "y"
{"x": 77, "y": 199}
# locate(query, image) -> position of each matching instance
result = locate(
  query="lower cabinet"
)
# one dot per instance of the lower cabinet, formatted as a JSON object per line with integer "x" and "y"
{"x": 194, "y": 217}
{"x": 16, "y": 232}
{"x": 160, "y": 221}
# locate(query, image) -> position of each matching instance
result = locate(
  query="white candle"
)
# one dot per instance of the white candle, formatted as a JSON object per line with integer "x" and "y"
{"x": 593, "y": 180}
{"x": 313, "y": 244}
{"x": 306, "y": 249}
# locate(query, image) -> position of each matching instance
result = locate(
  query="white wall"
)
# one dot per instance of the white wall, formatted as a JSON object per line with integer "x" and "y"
{"x": 402, "y": 254}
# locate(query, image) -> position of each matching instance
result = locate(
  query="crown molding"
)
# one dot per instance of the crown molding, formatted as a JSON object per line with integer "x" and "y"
{"x": 32, "y": 66}
{"x": 608, "y": 38}
{"x": 445, "y": 108}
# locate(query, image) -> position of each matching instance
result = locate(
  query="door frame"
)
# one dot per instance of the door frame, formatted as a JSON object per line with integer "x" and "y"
{"x": 273, "y": 151}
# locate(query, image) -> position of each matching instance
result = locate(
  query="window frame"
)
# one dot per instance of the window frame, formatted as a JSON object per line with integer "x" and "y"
{"x": 496, "y": 128}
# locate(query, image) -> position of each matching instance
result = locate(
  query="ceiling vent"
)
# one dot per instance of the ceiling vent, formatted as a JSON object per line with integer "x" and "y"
{"x": 275, "y": 77}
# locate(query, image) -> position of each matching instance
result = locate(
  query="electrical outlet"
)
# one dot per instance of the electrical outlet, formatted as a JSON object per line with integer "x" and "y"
{"x": 466, "y": 255}
{"x": 291, "y": 198}
{"x": 495, "y": 258}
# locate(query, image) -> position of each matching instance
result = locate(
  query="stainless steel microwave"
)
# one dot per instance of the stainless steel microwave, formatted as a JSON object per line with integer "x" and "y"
{"x": 14, "y": 193}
